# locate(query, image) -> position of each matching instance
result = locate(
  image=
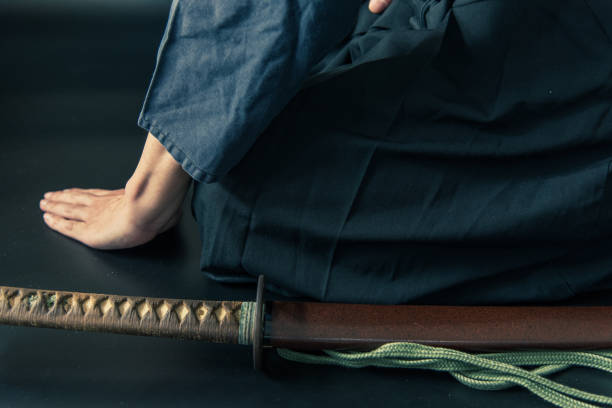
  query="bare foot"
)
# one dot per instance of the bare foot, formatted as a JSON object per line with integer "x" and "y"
{"x": 150, "y": 204}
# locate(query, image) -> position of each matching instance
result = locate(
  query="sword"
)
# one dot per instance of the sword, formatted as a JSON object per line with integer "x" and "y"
{"x": 312, "y": 325}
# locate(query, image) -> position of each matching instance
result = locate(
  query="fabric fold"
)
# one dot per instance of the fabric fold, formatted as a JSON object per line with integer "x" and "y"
{"x": 491, "y": 179}
{"x": 226, "y": 69}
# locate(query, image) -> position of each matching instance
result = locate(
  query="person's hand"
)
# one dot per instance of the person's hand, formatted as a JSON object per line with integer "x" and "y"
{"x": 105, "y": 219}
{"x": 378, "y": 6}
{"x": 149, "y": 204}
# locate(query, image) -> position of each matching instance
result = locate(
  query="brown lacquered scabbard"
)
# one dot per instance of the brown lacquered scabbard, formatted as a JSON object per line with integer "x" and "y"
{"x": 312, "y": 325}
{"x": 316, "y": 326}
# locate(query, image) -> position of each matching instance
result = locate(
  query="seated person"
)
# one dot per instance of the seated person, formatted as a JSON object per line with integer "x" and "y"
{"x": 438, "y": 152}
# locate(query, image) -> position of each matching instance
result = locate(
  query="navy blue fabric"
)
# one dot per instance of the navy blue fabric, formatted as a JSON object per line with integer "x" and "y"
{"x": 447, "y": 152}
{"x": 225, "y": 69}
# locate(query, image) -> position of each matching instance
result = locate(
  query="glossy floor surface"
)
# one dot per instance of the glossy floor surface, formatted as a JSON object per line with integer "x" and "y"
{"x": 72, "y": 77}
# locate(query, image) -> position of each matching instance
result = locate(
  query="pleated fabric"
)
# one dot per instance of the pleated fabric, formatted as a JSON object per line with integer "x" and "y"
{"x": 446, "y": 152}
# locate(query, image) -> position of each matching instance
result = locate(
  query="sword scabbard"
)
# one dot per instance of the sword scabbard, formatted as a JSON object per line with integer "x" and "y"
{"x": 316, "y": 326}
{"x": 313, "y": 325}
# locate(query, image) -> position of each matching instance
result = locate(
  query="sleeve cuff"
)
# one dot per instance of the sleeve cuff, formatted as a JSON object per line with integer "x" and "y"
{"x": 197, "y": 173}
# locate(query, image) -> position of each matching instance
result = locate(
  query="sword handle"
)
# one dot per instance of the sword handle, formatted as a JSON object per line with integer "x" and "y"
{"x": 208, "y": 320}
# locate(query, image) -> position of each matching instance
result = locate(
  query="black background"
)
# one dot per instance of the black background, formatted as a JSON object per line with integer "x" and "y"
{"x": 72, "y": 78}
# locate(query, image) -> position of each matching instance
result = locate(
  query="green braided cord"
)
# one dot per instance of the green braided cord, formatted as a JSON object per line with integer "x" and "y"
{"x": 493, "y": 384}
{"x": 491, "y": 371}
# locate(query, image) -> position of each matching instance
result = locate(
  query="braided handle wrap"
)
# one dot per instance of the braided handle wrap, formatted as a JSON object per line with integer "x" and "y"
{"x": 214, "y": 321}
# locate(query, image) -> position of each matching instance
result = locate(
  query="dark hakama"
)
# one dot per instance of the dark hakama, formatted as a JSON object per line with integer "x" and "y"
{"x": 444, "y": 152}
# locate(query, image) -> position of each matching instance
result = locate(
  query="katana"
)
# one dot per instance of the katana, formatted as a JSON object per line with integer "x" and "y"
{"x": 312, "y": 325}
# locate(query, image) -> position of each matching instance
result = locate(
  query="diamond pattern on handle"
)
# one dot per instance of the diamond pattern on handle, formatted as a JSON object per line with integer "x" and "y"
{"x": 31, "y": 300}
{"x": 13, "y": 298}
{"x": 105, "y": 306}
{"x": 215, "y": 321}
{"x": 182, "y": 311}
{"x": 162, "y": 310}
{"x": 202, "y": 311}
{"x": 124, "y": 307}
{"x": 67, "y": 303}
{"x": 143, "y": 308}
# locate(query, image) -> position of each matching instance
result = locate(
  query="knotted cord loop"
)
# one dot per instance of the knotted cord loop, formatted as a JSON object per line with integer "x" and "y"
{"x": 491, "y": 371}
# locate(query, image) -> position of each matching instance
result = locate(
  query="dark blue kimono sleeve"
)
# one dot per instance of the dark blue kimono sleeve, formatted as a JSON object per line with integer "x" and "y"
{"x": 225, "y": 69}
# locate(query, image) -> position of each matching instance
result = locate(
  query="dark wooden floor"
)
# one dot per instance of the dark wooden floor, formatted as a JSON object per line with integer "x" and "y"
{"x": 71, "y": 82}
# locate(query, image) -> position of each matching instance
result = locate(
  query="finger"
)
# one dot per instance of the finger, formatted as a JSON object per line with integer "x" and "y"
{"x": 85, "y": 190}
{"x": 70, "y": 228}
{"x": 378, "y": 6}
{"x": 66, "y": 210}
{"x": 71, "y": 196}
{"x": 98, "y": 191}
{"x": 84, "y": 196}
